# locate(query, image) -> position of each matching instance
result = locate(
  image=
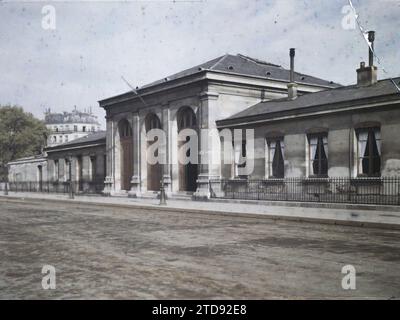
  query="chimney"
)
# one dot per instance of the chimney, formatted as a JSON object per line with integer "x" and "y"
{"x": 367, "y": 76}
{"x": 292, "y": 86}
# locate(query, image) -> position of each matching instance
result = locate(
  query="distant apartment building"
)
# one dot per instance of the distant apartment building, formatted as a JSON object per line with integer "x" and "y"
{"x": 68, "y": 126}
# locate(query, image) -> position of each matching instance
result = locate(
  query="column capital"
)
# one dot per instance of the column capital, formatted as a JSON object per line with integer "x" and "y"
{"x": 208, "y": 95}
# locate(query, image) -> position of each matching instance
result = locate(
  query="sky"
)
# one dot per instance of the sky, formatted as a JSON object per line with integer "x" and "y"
{"x": 94, "y": 43}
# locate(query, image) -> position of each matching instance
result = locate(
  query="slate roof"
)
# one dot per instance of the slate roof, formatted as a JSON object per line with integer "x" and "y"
{"x": 325, "y": 99}
{"x": 98, "y": 136}
{"x": 241, "y": 64}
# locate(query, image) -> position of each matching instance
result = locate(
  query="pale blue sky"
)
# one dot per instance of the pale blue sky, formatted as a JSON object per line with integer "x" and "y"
{"x": 95, "y": 43}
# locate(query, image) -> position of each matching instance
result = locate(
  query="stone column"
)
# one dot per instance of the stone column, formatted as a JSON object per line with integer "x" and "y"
{"x": 86, "y": 177}
{"x": 166, "y": 149}
{"x": 209, "y": 145}
{"x": 109, "y": 174}
{"x": 135, "y": 181}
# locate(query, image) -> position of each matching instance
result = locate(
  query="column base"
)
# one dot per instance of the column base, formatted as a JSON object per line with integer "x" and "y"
{"x": 203, "y": 191}
{"x": 108, "y": 185}
{"x": 135, "y": 191}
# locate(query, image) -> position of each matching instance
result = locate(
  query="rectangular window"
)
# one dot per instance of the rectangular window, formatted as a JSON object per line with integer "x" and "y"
{"x": 275, "y": 158}
{"x": 75, "y": 128}
{"x": 318, "y": 155}
{"x": 84, "y": 129}
{"x": 369, "y": 152}
{"x": 240, "y": 158}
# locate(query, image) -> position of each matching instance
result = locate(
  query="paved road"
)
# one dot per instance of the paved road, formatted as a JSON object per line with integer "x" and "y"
{"x": 104, "y": 252}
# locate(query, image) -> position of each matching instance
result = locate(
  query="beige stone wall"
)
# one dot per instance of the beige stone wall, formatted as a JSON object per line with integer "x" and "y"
{"x": 341, "y": 142}
{"x": 27, "y": 170}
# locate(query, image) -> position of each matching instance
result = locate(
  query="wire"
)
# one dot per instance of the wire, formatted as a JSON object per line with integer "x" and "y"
{"x": 365, "y": 36}
{"x": 133, "y": 90}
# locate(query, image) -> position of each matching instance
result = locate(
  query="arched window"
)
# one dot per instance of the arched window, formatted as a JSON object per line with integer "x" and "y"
{"x": 152, "y": 122}
{"x": 186, "y": 119}
{"x": 125, "y": 129}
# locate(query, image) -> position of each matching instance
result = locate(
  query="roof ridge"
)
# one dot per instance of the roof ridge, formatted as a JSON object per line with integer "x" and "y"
{"x": 258, "y": 61}
{"x": 219, "y": 61}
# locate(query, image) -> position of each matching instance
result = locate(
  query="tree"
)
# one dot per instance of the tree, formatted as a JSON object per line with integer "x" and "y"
{"x": 21, "y": 135}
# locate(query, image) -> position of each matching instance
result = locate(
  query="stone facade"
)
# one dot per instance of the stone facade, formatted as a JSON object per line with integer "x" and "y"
{"x": 211, "y": 95}
{"x": 81, "y": 161}
{"x": 340, "y": 129}
{"x": 32, "y": 169}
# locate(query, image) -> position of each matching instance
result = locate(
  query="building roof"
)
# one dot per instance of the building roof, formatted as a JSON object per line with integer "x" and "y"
{"x": 97, "y": 137}
{"x": 309, "y": 102}
{"x": 34, "y": 158}
{"x": 242, "y": 65}
{"x": 75, "y": 116}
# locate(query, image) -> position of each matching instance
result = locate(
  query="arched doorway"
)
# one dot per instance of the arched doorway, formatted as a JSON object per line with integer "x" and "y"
{"x": 188, "y": 173}
{"x": 153, "y": 170}
{"x": 126, "y": 141}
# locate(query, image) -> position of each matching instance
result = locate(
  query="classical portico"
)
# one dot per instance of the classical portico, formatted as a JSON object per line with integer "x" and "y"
{"x": 193, "y": 99}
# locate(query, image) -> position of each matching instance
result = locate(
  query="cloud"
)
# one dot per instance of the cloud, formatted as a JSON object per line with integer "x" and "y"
{"x": 95, "y": 43}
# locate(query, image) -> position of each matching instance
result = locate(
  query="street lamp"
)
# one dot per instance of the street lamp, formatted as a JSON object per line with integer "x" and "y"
{"x": 163, "y": 198}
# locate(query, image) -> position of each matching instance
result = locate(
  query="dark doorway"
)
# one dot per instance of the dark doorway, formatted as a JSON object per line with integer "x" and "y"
{"x": 153, "y": 170}
{"x": 188, "y": 173}
{"x": 125, "y": 134}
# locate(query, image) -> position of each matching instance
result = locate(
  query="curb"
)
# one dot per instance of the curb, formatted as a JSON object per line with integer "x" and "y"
{"x": 329, "y": 221}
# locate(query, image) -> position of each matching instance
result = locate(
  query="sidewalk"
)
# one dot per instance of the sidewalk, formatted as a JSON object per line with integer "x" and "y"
{"x": 372, "y": 216}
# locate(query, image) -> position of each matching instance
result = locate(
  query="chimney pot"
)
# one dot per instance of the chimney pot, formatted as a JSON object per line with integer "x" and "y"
{"x": 371, "y": 39}
{"x": 367, "y": 76}
{"x": 292, "y": 86}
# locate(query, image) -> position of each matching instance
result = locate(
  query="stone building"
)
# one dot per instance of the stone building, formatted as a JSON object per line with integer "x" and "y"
{"x": 314, "y": 140}
{"x": 81, "y": 161}
{"x": 32, "y": 169}
{"x": 194, "y": 98}
{"x": 68, "y": 126}
{"x": 345, "y": 132}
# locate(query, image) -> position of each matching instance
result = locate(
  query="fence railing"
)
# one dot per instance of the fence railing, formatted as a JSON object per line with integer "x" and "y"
{"x": 382, "y": 190}
{"x": 78, "y": 187}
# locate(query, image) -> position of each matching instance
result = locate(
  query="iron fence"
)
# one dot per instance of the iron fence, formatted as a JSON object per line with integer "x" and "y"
{"x": 381, "y": 191}
{"x": 78, "y": 187}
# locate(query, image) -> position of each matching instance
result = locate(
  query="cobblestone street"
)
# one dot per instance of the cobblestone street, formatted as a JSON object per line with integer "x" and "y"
{"x": 103, "y": 252}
